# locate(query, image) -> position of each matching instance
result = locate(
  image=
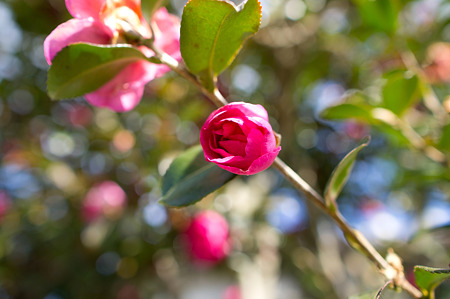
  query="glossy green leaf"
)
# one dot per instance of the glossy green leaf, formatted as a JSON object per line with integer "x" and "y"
{"x": 427, "y": 279}
{"x": 399, "y": 92}
{"x": 190, "y": 178}
{"x": 82, "y": 68}
{"x": 379, "y": 14}
{"x": 213, "y": 32}
{"x": 341, "y": 174}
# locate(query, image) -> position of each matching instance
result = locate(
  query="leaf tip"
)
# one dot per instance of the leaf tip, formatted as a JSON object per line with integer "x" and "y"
{"x": 366, "y": 140}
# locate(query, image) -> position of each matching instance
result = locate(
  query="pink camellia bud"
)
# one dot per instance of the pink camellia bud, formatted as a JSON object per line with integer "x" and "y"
{"x": 207, "y": 237}
{"x": 105, "y": 22}
{"x": 103, "y": 199}
{"x": 239, "y": 138}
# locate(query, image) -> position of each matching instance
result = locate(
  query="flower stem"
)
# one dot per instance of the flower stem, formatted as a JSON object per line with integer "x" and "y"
{"x": 357, "y": 237}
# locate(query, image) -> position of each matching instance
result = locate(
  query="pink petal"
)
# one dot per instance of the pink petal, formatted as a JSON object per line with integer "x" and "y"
{"x": 269, "y": 142}
{"x": 239, "y": 120}
{"x": 216, "y": 152}
{"x": 255, "y": 139}
{"x": 167, "y": 36}
{"x": 233, "y": 147}
{"x": 230, "y": 129}
{"x": 234, "y": 164}
{"x": 167, "y": 32}
{"x": 74, "y": 31}
{"x": 263, "y": 162}
{"x": 237, "y": 110}
{"x": 85, "y": 8}
{"x": 236, "y": 169}
{"x": 250, "y": 109}
{"x": 125, "y": 90}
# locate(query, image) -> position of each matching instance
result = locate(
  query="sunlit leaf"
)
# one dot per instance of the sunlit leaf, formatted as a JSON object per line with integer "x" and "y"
{"x": 213, "y": 32}
{"x": 190, "y": 178}
{"x": 341, "y": 174}
{"x": 427, "y": 279}
{"x": 361, "y": 112}
{"x": 82, "y": 68}
{"x": 380, "y": 118}
{"x": 399, "y": 92}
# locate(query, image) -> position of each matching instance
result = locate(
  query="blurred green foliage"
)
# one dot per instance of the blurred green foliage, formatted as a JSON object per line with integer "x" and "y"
{"x": 367, "y": 60}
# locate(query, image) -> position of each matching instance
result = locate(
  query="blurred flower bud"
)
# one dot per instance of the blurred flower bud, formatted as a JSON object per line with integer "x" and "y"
{"x": 104, "y": 199}
{"x": 79, "y": 115}
{"x": 5, "y": 203}
{"x": 356, "y": 130}
{"x": 438, "y": 68}
{"x": 232, "y": 292}
{"x": 207, "y": 237}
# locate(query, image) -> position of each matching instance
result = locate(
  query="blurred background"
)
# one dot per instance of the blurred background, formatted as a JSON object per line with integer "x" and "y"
{"x": 79, "y": 186}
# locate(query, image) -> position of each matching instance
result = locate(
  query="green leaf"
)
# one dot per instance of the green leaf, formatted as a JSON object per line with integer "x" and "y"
{"x": 341, "y": 174}
{"x": 427, "y": 279}
{"x": 82, "y": 68}
{"x": 379, "y": 14}
{"x": 399, "y": 92}
{"x": 190, "y": 178}
{"x": 213, "y": 32}
{"x": 444, "y": 142}
{"x": 361, "y": 112}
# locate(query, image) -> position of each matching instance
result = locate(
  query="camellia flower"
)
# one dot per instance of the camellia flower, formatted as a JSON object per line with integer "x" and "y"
{"x": 238, "y": 138}
{"x": 207, "y": 237}
{"x": 103, "y": 199}
{"x": 104, "y": 22}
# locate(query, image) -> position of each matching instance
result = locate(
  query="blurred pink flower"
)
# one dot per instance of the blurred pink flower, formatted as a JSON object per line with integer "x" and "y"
{"x": 232, "y": 292}
{"x": 103, "y": 22}
{"x": 239, "y": 138}
{"x": 207, "y": 237}
{"x": 103, "y": 199}
{"x": 79, "y": 115}
{"x": 438, "y": 69}
{"x": 5, "y": 203}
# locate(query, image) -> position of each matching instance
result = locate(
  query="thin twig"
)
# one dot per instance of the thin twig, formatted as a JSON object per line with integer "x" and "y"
{"x": 362, "y": 243}
{"x": 378, "y": 295}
